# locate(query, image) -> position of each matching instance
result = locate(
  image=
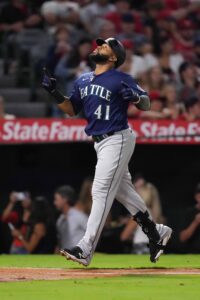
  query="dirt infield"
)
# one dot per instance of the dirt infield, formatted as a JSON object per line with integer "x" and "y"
{"x": 24, "y": 274}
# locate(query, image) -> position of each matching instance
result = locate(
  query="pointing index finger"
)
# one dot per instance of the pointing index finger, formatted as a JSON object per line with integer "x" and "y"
{"x": 124, "y": 84}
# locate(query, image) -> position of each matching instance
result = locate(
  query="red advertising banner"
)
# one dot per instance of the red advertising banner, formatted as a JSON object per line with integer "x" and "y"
{"x": 20, "y": 131}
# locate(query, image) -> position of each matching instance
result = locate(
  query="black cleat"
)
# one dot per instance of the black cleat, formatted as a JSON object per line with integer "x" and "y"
{"x": 156, "y": 249}
{"x": 75, "y": 254}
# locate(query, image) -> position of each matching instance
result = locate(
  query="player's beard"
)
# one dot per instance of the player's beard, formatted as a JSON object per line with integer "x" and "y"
{"x": 98, "y": 58}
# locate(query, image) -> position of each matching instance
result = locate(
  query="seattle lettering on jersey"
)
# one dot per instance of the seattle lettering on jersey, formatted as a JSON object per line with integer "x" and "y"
{"x": 97, "y": 90}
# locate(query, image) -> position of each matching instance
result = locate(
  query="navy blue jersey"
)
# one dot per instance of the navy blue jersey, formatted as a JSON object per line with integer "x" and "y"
{"x": 99, "y": 97}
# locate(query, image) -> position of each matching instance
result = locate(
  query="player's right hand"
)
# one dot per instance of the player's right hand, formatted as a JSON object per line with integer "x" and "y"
{"x": 48, "y": 83}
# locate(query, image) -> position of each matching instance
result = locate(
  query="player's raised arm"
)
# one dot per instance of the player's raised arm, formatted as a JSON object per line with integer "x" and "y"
{"x": 142, "y": 101}
{"x": 49, "y": 84}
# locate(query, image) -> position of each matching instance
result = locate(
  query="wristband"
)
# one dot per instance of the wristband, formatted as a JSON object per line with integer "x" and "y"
{"x": 138, "y": 101}
{"x": 58, "y": 96}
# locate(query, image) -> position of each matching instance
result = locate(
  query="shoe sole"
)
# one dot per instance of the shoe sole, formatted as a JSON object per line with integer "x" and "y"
{"x": 68, "y": 256}
{"x": 164, "y": 243}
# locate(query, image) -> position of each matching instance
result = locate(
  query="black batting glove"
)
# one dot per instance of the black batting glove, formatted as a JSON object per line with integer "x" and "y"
{"x": 128, "y": 93}
{"x": 48, "y": 83}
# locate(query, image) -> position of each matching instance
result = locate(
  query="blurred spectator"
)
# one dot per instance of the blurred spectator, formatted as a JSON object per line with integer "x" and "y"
{"x": 165, "y": 20}
{"x": 17, "y": 15}
{"x": 155, "y": 79}
{"x": 150, "y": 194}
{"x": 188, "y": 79}
{"x": 93, "y": 13}
{"x": 192, "y": 106}
{"x": 13, "y": 16}
{"x": 12, "y": 21}
{"x": 196, "y": 60}
{"x": 122, "y": 7}
{"x": 73, "y": 65}
{"x": 184, "y": 37}
{"x": 82, "y": 3}
{"x": 173, "y": 109}
{"x": 134, "y": 64}
{"x": 151, "y": 27}
{"x": 3, "y": 115}
{"x": 190, "y": 235}
{"x": 145, "y": 48}
{"x": 84, "y": 202}
{"x": 128, "y": 30}
{"x": 169, "y": 60}
{"x": 71, "y": 224}
{"x": 106, "y": 29}
{"x": 60, "y": 11}
{"x": 41, "y": 237}
{"x": 151, "y": 197}
{"x": 60, "y": 47}
{"x": 17, "y": 213}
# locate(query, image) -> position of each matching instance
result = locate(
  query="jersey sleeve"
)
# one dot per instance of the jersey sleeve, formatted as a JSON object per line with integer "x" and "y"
{"x": 75, "y": 98}
{"x": 133, "y": 84}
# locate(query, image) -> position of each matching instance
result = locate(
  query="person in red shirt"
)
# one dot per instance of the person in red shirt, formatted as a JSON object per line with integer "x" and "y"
{"x": 123, "y": 7}
{"x": 183, "y": 37}
{"x": 17, "y": 214}
{"x": 40, "y": 238}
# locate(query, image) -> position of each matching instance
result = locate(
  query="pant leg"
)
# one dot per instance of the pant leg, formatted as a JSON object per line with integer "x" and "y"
{"x": 113, "y": 155}
{"x": 128, "y": 196}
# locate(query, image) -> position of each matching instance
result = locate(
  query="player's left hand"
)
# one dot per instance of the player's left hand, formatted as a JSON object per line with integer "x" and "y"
{"x": 48, "y": 83}
{"x": 128, "y": 93}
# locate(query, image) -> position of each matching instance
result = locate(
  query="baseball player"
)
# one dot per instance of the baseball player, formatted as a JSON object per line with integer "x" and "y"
{"x": 104, "y": 96}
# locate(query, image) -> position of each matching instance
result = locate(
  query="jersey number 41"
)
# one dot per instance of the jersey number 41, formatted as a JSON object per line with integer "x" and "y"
{"x": 99, "y": 112}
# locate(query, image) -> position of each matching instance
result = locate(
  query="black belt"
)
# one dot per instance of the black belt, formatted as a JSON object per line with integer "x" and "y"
{"x": 99, "y": 138}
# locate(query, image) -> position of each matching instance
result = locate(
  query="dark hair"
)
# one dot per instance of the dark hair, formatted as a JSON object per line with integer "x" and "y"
{"x": 41, "y": 212}
{"x": 184, "y": 66}
{"x": 66, "y": 192}
{"x": 191, "y": 102}
{"x": 197, "y": 41}
{"x": 84, "y": 40}
{"x": 164, "y": 39}
{"x": 128, "y": 18}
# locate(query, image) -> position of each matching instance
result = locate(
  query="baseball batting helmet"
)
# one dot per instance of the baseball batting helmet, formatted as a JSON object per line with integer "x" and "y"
{"x": 117, "y": 48}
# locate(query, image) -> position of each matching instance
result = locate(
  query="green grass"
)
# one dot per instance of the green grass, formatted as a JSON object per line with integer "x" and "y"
{"x": 134, "y": 287}
{"x": 101, "y": 261}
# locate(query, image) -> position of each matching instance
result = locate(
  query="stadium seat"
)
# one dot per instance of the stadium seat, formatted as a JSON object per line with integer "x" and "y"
{"x": 27, "y": 110}
{"x": 16, "y": 94}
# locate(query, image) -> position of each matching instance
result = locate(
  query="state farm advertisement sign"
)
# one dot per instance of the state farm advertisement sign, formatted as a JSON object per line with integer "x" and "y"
{"x": 21, "y": 131}
{"x": 42, "y": 131}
